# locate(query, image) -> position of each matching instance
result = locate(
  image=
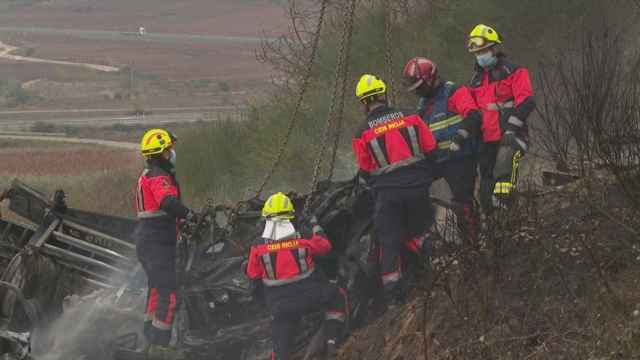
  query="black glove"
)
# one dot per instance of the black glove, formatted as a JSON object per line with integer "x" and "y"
{"x": 192, "y": 218}
{"x": 316, "y": 228}
{"x": 458, "y": 139}
{"x": 363, "y": 177}
{"x": 189, "y": 223}
{"x": 514, "y": 124}
{"x": 510, "y": 138}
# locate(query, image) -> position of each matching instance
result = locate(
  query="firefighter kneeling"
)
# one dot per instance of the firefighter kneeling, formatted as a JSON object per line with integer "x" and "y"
{"x": 159, "y": 210}
{"x": 293, "y": 287}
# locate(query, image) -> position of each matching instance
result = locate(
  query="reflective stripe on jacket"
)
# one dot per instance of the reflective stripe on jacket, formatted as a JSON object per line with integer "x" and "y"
{"x": 499, "y": 93}
{"x": 444, "y": 114}
{"x": 283, "y": 262}
{"x": 391, "y": 140}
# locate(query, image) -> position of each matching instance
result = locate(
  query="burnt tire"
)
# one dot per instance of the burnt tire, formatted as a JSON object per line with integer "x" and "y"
{"x": 35, "y": 275}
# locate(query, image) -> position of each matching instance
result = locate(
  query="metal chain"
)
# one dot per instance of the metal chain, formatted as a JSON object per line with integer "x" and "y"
{"x": 341, "y": 99}
{"x": 388, "y": 47}
{"x": 303, "y": 89}
{"x": 338, "y": 87}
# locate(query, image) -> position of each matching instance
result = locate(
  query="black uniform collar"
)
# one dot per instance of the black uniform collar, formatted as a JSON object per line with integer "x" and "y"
{"x": 162, "y": 163}
{"x": 379, "y": 111}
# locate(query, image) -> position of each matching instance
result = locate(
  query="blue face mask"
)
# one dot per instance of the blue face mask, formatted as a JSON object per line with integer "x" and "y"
{"x": 486, "y": 60}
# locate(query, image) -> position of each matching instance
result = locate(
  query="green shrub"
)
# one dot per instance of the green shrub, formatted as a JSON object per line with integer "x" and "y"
{"x": 231, "y": 157}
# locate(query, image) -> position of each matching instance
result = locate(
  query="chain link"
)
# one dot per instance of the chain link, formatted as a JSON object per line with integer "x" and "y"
{"x": 388, "y": 47}
{"x": 343, "y": 94}
{"x": 335, "y": 108}
{"x": 296, "y": 110}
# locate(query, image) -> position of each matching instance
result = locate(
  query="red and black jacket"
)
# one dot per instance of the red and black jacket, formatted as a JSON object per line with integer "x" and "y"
{"x": 505, "y": 96}
{"x": 393, "y": 149}
{"x": 285, "y": 261}
{"x": 158, "y": 194}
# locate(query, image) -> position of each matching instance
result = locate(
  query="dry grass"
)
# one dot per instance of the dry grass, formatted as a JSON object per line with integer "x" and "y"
{"x": 558, "y": 280}
{"x": 94, "y": 179}
{"x": 61, "y": 161}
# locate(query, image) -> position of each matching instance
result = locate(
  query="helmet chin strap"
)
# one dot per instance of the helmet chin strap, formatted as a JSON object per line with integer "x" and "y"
{"x": 380, "y": 101}
{"x": 428, "y": 90}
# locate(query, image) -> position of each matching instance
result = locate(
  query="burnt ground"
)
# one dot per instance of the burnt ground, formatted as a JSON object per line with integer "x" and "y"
{"x": 559, "y": 281}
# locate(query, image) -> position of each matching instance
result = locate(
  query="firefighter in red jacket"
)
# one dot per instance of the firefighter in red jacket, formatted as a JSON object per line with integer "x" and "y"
{"x": 284, "y": 261}
{"x": 454, "y": 118}
{"x": 504, "y": 93}
{"x": 393, "y": 151}
{"x": 159, "y": 208}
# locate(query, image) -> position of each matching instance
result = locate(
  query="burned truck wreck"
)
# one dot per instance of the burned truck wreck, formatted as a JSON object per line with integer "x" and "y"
{"x": 53, "y": 252}
{"x": 65, "y": 253}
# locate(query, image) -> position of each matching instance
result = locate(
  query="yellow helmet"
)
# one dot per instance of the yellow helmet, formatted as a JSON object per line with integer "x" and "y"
{"x": 156, "y": 141}
{"x": 369, "y": 85}
{"x": 280, "y": 205}
{"x": 482, "y": 37}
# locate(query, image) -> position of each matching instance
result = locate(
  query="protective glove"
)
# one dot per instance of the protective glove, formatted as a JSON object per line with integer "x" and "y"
{"x": 192, "y": 218}
{"x": 363, "y": 178}
{"x": 514, "y": 124}
{"x": 509, "y": 138}
{"x": 458, "y": 139}
{"x": 316, "y": 228}
{"x": 189, "y": 223}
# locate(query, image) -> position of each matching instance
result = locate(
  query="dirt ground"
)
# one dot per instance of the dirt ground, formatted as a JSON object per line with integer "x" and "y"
{"x": 219, "y": 17}
{"x": 176, "y": 72}
{"x": 186, "y": 61}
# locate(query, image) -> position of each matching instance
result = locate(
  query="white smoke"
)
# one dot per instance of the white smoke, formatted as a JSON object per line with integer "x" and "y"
{"x": 89, "y": 326}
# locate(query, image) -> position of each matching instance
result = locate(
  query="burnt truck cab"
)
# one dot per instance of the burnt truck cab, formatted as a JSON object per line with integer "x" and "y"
{"x": 223, "y": 314}
{"x": 59, "y": 251}
{"x": 50, "y": 251}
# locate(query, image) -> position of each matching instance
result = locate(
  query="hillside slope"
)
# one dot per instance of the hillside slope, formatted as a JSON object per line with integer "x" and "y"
{"x": 559, "y": 282}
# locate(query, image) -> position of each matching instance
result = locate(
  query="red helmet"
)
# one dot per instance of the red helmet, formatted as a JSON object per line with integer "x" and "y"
{"x": 420, "y": 70}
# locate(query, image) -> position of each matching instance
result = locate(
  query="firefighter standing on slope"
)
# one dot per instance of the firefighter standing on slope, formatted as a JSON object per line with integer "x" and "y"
{"x": 504, "y": 93}
{"x": 293, "y": 287}
{"x": 393, "y": 153}
{"x": 454, "y": 118}
{"x": 159, "y": 209}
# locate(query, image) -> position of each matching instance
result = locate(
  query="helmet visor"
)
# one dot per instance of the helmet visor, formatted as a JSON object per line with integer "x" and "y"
{"x": 477, "y": 43}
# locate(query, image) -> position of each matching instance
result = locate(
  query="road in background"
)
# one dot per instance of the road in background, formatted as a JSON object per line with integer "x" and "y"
{"x": 132, "y": 36}
{"x": 25, "y": 120}
{"x": 6, "y": 50}
{"x": 108, "y": 143}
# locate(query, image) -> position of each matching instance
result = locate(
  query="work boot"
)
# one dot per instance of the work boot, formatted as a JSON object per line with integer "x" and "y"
{"x": 332, "y": 349}
{"x": 159, "y": 352}
{"x": 395, "y": 295}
